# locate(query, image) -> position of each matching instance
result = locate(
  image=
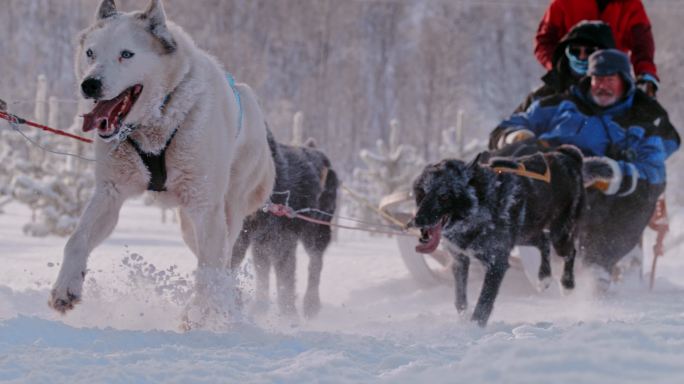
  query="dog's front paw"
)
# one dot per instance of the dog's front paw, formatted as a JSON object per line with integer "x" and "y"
{"x": 66, "y": 294}
{"x": 67, "y": 291}
{"x": 63, "y": 303}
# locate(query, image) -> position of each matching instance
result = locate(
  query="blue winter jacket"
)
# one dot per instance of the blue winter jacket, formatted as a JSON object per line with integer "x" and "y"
{"x": 624, "y": 132}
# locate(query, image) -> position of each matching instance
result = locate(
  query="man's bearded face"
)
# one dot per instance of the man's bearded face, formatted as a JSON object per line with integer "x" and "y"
{"x": 607, "y": 90}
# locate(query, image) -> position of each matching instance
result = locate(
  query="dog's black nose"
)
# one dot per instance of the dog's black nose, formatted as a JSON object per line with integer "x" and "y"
{"x": 92, "y": 88}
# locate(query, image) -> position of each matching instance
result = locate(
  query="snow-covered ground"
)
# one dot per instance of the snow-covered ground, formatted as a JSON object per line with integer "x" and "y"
{"x": 377, "y": 324}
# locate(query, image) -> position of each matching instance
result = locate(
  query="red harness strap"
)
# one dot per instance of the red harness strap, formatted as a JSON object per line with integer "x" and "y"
{"x": 18, "y": 120}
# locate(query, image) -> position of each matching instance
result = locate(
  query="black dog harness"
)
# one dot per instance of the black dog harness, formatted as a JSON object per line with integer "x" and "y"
{"x": 155, "y": 164}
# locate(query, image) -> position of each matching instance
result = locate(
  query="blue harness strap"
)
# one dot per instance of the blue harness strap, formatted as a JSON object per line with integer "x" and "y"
{"x": 231, "y": 81}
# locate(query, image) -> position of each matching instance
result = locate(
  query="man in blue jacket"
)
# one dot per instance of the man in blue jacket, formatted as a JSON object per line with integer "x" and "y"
{"x": 625, "y": 136}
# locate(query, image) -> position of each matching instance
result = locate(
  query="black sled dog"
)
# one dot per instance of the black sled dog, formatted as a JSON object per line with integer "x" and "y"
{"x": 304, "y": 179}
{"x": 484, "y": 210}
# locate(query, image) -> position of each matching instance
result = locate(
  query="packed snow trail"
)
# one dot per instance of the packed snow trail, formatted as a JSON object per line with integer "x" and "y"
{"x": 376, "y": 324}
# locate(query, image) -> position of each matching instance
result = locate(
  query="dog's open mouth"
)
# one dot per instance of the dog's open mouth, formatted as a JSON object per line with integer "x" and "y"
{"x": 430, "y": 237}
{"x": 108, "y": 115}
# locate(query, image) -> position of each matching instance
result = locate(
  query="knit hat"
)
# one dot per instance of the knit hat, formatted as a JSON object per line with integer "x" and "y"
{"x": 608, "y": 62}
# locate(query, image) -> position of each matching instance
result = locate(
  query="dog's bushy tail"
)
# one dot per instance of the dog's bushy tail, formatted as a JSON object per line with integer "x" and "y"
{"x": 272, "y": 144}
{"x": 327, "y": 202}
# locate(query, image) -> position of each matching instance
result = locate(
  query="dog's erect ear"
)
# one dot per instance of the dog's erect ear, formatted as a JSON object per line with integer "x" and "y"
{"x": 106, "y": 10}
{"x": 480, "y": 158}
{"x": 473, "y": 167}
{"x": 156, "y": 19}
{"x": 155, "y": 12}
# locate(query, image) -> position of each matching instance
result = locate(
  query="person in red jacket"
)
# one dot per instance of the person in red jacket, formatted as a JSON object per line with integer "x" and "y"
{"x": 628, "y": 21}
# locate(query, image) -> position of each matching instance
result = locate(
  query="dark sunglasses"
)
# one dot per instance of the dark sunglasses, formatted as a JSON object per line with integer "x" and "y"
{"x": 576, "y": 50}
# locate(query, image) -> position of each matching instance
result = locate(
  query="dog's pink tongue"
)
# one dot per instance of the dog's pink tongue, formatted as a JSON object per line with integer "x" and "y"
{"x": 435, "y": 234}
{"x": 103, "y": 112}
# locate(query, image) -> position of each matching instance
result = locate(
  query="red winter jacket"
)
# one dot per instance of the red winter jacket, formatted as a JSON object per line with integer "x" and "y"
{"x": 627, "y": 18}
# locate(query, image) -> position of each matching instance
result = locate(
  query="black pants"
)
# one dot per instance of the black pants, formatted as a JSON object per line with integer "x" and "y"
{"x": 613, "y": 225}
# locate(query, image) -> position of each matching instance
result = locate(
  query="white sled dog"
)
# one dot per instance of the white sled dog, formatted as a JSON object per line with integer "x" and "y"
{"x": 168, "y": 120}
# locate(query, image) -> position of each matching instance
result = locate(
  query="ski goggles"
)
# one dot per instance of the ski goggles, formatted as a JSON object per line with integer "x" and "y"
{"x": 577, "y": 50}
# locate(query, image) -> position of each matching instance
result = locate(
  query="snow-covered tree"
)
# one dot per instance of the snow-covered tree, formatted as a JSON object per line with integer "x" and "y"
{"x": 453, "y": 142}
{"x": 37, "y": 172}
{"x": 390, "y": 168}
{"x": 298, "y": 129}
{"x": 392, "y": 165}
{"x": 56, "y": 200}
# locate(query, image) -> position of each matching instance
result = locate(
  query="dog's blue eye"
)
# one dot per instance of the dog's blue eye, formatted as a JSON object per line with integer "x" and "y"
{"x": 89, "y": 53}
{"x": 127, "y": 54}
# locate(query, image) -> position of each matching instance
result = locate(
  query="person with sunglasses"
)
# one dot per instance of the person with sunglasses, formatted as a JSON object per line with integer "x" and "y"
{"x": 570, "y": 59}
{"x": 628, "y": 20}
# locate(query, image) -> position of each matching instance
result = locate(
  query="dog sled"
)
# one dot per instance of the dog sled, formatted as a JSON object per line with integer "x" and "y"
{"x": 435, "y": 268}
